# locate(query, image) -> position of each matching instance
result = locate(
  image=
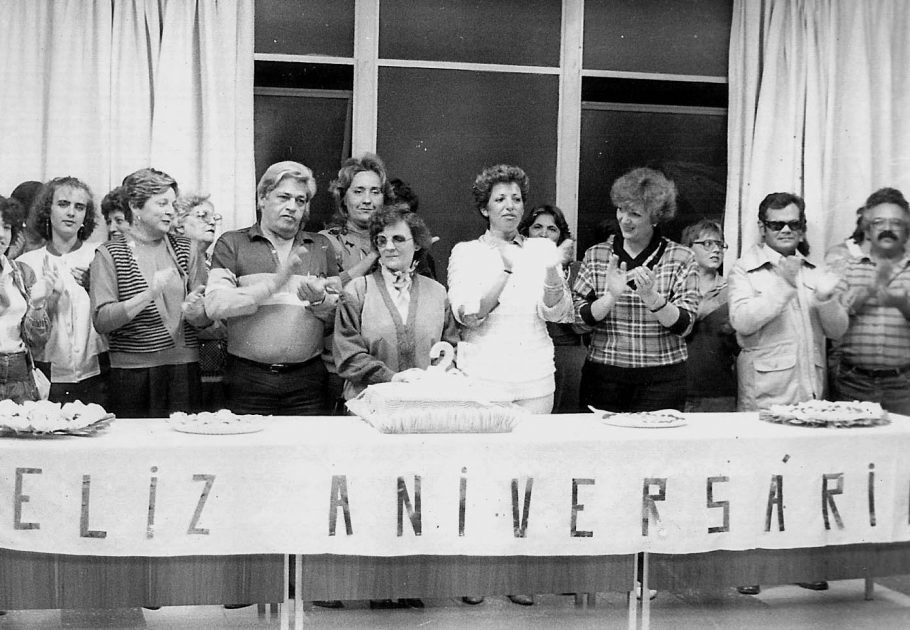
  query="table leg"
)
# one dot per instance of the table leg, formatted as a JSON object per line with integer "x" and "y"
{"x": 299, "y": 615}
{"x": 283, "y": 622}
{"x": 633, "y": 601}
{"x": 645, "y": 594}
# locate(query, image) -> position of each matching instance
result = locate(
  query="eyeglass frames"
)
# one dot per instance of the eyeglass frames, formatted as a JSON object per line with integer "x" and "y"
{"x": 397, "y": 240}
{"x": 206, "y": 216}
{"x": 710, "y": 243}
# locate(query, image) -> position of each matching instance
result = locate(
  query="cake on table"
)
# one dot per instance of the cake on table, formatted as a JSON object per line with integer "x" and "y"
{"x": 826, "y": 413}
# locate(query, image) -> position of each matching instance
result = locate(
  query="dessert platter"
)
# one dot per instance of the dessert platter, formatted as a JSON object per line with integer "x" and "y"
{"x": 659, "y": 419}
{"x": 221, "y": 422}
{"x": 826, "y": 413}
{"x": 43, "y": 418}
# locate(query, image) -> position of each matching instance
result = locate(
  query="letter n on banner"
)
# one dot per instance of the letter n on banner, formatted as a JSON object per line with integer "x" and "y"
{"x": 520, "y": 524}
{"x": 404, "y": 502}
{"x": 648, "y": 505}
{"x": 339, "y": 499}
{"x": 828, "y": 498}
{"x": 775, "y": 498}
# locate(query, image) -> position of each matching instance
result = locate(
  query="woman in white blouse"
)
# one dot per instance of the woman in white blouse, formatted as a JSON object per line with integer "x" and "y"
{"x": 503, "y": 289}
{"x": 64, "y": 216}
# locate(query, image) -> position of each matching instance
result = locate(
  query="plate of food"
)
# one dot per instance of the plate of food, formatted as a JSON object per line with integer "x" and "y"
{"x": 222, "y": 422}
{"x": 659, "y": 419}
{"x": 49, "y": 419}
{"x": 826, "y": 413}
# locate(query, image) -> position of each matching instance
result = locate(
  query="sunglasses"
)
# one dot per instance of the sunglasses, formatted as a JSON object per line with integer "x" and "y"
{"x": 397, "y": 240}
{"x": 777, "y": 226}
{"x": 710, "y": 243}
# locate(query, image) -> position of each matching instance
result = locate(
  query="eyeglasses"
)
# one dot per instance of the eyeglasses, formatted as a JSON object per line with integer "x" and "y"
{"x": 207, "y": 217}
{"x": 878, "y": 224}
{"x": 777, "y": 226}
{"x": 710, "y": 243}
{"x": 397, "y": 240}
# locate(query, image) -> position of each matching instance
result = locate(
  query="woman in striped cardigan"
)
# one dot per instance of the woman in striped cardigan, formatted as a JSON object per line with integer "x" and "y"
{"x": 145, "y": 289}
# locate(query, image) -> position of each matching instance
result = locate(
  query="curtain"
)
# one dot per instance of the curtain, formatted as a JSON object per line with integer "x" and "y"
{"x": 819, "y": 91}
{"x": 99, "y": 88}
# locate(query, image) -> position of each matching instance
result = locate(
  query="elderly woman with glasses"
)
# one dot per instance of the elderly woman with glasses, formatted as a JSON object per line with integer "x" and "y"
{"x": 146, "y": 288}
{"x": 197, "y": 220}
{"x": 387, "y": 321}
{"x": 712, "y": 342}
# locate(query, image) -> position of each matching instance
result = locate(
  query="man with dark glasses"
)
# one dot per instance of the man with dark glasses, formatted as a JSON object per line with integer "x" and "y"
{"x": 782, "y": 308}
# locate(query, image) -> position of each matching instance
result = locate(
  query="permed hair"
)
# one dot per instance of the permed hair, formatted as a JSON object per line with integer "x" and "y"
{"x": 558, "y": 218}
{"x": 499, "y": 174}
{"x": 350, "y": 168}
{"x": 12, "y": 213}
{"x": 114, "y": 201}
{"x": 396, "y": 213}
{"x": 186, "y": 202}
{"x": 647, "y": 189}
{"x": 142, "y": 185}
{"x": 40, "y": 217}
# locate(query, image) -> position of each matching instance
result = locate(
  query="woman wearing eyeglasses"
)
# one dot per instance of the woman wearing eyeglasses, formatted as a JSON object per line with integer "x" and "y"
{"x": 387, "y": 321}
{"x": 197, "y": 220}
{"x": 146, "y": 289}
{"x": 712, "y": 343}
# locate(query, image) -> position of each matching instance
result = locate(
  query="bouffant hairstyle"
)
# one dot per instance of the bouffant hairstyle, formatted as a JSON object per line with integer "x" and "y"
{"x": 558, "y": 218}
{"x": 142, "y": 185}
{"x": 705, "y": 227}
{"x": 647, "y": 189}
{"x": 499, "y": 174}
{"x": 12, "y": 213}
{"x": 350, "y": 168}
{"x": 40, "y": 217}
{"x": 114, "y": 201}
{"x": 396, "y": 213}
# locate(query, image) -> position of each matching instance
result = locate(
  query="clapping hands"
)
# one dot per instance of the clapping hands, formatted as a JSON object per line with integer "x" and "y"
{"x": 788, "y": 269}
{"x": 616, "y": 277}
{"x": 194, "y": 304}
{"x": 47, "y": 284}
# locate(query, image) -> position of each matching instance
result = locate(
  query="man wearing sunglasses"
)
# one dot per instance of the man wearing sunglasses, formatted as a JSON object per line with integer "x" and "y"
{"x": 875, "y": 352}
{"x": 782, "y": 308}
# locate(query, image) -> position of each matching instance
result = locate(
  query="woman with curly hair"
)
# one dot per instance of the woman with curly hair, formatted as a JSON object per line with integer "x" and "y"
{"x": 24, "y": 323}
{"x": 74, "y": 357}
{"x": 146, "y": 295}
{"x": 637, "y": 294}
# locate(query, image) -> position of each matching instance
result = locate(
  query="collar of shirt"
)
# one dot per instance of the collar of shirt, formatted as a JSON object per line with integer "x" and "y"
{"x": 900, "y": 264}
{"x": 764, "y": 255}
{"x": 645, "y": 254}
{"x": 301, "y": 238}
{"x": 488, "y": 239}
{"x": 400, "y": 280}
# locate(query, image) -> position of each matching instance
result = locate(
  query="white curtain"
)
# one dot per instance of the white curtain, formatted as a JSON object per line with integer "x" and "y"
{"x": 819, "y": 95}
{"x": 99, "y": 88}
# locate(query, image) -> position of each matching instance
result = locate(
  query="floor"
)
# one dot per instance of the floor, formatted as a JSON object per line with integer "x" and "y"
{"x": 779, "y": 607}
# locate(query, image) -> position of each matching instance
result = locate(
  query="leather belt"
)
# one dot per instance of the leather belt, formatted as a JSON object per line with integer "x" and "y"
{"x": 275, "y": 368}
{"x": 877, "y": 372}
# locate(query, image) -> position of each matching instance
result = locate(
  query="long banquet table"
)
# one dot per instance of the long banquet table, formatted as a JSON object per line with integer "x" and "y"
{"x": 144, "y": 515}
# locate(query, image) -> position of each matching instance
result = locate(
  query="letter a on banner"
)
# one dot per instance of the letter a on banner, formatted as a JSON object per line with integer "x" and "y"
{"x": 339, "y": 499}
{"x": 775, "y": 498}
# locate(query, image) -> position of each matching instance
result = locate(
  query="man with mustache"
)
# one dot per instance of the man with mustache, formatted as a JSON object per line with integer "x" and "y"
{"x": 268, "y": 281}
{"x": 875, "y": 351}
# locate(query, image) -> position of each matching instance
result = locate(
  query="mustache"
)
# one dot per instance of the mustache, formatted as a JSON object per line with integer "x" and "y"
{"x": 887, "y": 234}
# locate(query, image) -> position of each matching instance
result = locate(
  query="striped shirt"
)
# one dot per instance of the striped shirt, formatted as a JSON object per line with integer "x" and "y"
{"x": 630, "y": 335}
{"x": 878, "y": 336}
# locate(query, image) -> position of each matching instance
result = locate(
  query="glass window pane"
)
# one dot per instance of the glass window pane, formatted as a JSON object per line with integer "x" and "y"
{"x": 662, "y": 36}
{"x": 438, "y": 129}
{"x": 516, "y": 32}
{"x": 305, "y": 28}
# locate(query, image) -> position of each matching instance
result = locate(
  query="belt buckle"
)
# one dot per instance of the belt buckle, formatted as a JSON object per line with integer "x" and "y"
{"x": 276, "y": 368}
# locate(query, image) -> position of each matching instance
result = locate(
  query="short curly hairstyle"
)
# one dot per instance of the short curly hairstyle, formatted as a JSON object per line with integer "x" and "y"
{"x": 339, "y": 186}
{"x": 499, "y": 174}
{"x": 396, "y": 213}
{"x": 558, "y": 218}
{"x": 40, "y": 216}
{"x": 12, "y": 213}
{"x": 142, "y": 185}
{"x": 114, "y": 201}
{"x": 187, "y": 202}
{"x": 647, "y": 189}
